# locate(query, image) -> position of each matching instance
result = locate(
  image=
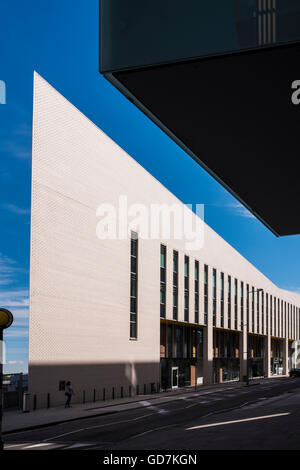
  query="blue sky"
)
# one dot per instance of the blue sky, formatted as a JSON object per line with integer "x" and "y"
{"x": 59, "y": 39}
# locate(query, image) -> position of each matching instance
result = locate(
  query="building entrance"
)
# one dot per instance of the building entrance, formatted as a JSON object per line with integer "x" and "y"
{"x": 174, "y": 377}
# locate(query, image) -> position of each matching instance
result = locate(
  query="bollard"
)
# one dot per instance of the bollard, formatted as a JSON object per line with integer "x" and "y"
{"x": 113, "y": 393}
{"x": 26, "y": 402}
{"x": 94, "y": 395}
{"x": 137, "y": 390}
{"x": 48, "y": 400}
{"x": 145, "y": 389}
{"x": 34, "y": 402}
{"x": 122, "y": 392}
{"x": 130, "y": 388}
{"x": 104, "y": 394}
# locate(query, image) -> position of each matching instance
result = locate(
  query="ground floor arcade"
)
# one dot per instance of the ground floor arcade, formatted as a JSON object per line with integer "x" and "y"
{"x": 194, "y": 355}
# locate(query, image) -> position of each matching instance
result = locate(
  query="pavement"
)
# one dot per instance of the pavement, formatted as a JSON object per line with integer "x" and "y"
{"x": 16, "y": 420}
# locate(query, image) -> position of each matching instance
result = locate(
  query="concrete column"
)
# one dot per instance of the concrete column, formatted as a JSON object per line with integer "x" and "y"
{"x": 208, "y": 338}
{"x": 267, "y": 356}
{"x": 180, "y": 286}
{"x": 169, "y": 283}
{"x": 243, "y": 326}
{"x": 243, "y": 351}
{"x": 201, "y": 293}
{"x": 192, "y": 291}
{"x": 285, "y": 356}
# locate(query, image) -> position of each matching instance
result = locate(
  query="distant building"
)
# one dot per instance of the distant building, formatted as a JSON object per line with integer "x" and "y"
{"x": 127, "y": 316}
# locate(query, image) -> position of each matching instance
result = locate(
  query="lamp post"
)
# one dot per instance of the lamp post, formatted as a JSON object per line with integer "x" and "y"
{"x": 247, "y": 324}
{"x": 6, "y": 319}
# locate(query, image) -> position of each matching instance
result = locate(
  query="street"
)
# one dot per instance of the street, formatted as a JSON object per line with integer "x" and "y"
{"x": 262, "y": 416}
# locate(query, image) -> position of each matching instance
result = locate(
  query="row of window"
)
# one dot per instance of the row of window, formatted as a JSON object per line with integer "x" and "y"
{"x": 282, "y": 314}
{"x": 284, "y": 317}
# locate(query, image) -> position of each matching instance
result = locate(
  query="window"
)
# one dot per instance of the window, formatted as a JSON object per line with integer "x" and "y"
{"x": 163, "y": 252}
{"x": 222, "y": 299}
{"x": 196, "y": 291}
{"x": 275, "y": 317}
{"x": 247, "y": 306}
{"x": 186, "y": 288}
{"x": 133, "y": 284}
{"x": 229, "y": 301}
{"x": 242, "y": 304}
{"x": 175, "y": 285}
{"x": 267, "y": 313}
{"x": 214, "y": 296}
{"x": 271, "y": 315}
{"x": 205, "y": 294}
{"x": 235, "y": 304}
{"x": 253, "y": 314}
{"x": 257, "y": 312}
{"x": 263, "y": 312}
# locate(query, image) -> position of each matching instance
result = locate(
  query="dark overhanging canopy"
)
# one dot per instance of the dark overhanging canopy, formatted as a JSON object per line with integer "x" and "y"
{"x": 233, "y": 109}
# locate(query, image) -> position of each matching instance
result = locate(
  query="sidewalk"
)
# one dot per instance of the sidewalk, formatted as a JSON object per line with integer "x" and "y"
{"x": 15, "y": 421}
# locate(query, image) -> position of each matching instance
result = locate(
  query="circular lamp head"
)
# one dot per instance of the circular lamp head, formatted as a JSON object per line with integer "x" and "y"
{"x": 6, "y": 318}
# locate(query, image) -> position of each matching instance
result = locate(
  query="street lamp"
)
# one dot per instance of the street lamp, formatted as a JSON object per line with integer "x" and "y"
{"x": 246, "y": 324}
{"x": 6, "y": 319}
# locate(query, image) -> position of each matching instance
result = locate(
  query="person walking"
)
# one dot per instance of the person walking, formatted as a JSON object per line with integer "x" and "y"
{"x": 69, "y": 392}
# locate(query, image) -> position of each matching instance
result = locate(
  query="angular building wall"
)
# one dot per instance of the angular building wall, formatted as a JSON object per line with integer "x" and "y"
{"x": 80, "y": 285}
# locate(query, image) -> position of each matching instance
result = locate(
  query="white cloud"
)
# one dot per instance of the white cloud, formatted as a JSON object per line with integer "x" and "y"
{"x": 16, "y": 150}
{"x": 12, "y": 363}
{"x": 237, "y": 208}
{"x": 15, "y": 209}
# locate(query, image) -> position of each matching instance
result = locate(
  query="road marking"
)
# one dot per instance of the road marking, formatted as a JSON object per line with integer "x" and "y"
{"x": 42, "y": 444}
{"x": 13, "y": 445}
{"x": 79, "y": 444}
{"x": 197, "y": 403}
{"x": 236, "y": 421}
{"x": 150, "y": 430}
{"x": 99, "y": 426}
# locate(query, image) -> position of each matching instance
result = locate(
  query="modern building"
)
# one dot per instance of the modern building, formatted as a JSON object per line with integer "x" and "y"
{"x": 128, "y": 315}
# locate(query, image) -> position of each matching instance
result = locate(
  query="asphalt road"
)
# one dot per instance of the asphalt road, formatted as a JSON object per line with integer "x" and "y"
{"x": 264, "y": 416}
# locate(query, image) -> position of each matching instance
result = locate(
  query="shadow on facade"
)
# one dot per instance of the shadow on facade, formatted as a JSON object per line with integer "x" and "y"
{"x": 91, "y": 382}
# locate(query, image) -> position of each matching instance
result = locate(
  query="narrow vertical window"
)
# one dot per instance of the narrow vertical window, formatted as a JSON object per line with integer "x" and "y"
{"x": 275, "y": 318}
{"x": 278, "y": 316}
{"x": 186, "y": 288}
{"x": 163, "y": 251}
{"x": 205, "y": 294}
{"x": 196, "y": 291}
{"x": 229, "y": 301}
{"x": 247, "y": 306}
{"x": 222, "y": 299}
{"x": 253, "y": 313}
{"x": 175, "y": 285}
{"x": 271, "y": 315}
{"x": 242, "y": 304}
{"x": 133, "y": 284}
{"x": 235, "y": 304}
{"x": 282, "y": 318}
{"x": 267, "y": 314}
{"x": 263, "y": 312}
{"x": 214, "y": 296}
{"x": 257, "y": 312}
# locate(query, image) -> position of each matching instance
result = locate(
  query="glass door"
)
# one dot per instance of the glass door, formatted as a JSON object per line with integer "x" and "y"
{"x": 174, "y": 377}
